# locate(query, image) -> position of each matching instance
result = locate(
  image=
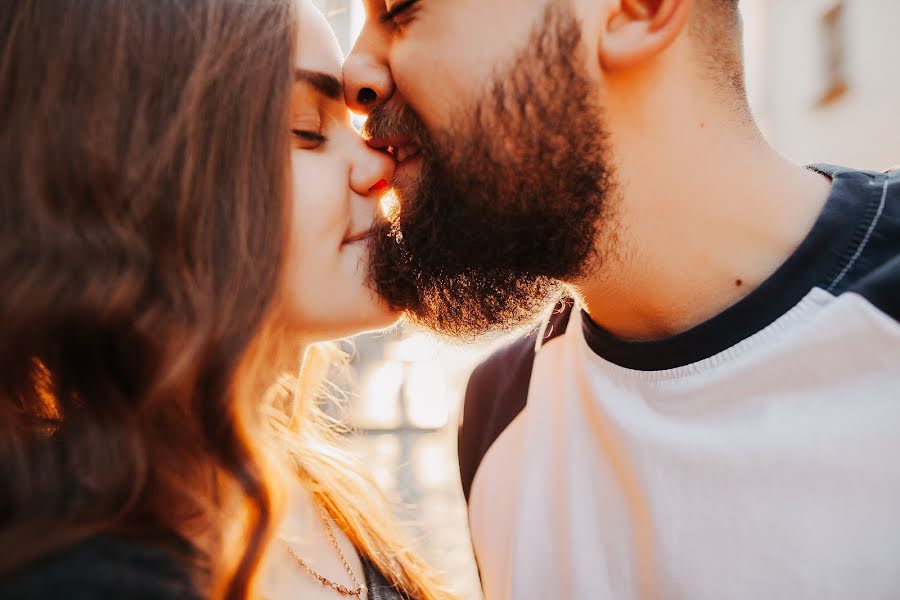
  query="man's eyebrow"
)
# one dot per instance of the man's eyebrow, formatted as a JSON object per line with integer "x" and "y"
{"x": 328, "y": 85}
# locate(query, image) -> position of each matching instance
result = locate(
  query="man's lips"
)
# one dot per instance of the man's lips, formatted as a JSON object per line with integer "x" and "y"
{"x": 400, "y": 147}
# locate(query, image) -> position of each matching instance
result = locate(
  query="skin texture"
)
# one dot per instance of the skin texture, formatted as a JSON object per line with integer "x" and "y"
{"x": 693, "y": 198}
{"x": 455, "y": 256}
{"x": 336, "y": 184}
{"x": 336, "y": 192}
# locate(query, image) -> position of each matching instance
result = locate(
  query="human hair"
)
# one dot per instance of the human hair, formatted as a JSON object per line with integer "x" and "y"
{"x": 144, "y": 197}
{"x": 143, "y": 194}
{"x": 716, "y": 25}
{"x": 313, "y": 444}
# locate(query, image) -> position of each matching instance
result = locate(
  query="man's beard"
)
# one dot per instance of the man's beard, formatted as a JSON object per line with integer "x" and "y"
{"x": 510, "y": 200}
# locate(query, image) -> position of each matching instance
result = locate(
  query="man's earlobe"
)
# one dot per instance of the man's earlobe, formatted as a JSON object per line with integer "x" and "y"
{"x": 636, "y": 30}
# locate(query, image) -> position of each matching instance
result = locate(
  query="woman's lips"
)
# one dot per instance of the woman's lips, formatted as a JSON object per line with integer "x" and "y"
{"x": 357, "y": 237}
{"x": 407, "y": 173}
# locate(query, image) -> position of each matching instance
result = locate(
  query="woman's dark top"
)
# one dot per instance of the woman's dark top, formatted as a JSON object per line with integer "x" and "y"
{"x": 379, "y": 588}
{"x": 102, "y": 567}
{"x": 106, "y": 568}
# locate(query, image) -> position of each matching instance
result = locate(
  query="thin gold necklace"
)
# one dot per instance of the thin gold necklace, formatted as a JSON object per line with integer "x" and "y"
{"x": 341, "y": 589}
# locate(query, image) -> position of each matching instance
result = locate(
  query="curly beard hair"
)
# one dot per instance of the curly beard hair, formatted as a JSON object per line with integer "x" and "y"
{"x": 510, "y": 199}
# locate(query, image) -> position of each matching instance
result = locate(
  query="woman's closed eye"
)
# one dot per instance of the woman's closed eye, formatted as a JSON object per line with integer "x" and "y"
{"x": 306, "y": 139}
{"x": 401, "y": 14}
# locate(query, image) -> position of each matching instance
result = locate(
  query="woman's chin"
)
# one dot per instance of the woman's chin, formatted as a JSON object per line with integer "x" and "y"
{"x": 376, "y": 320}
{"x": 383, "y": 318}
{"x": 375, "y": 316}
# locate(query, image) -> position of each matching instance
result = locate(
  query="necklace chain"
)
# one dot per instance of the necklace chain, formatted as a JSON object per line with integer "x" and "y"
{"x": 333, "y": 585}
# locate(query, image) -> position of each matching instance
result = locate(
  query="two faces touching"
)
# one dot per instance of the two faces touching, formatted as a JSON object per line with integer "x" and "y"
{"x": 338, "y": 181}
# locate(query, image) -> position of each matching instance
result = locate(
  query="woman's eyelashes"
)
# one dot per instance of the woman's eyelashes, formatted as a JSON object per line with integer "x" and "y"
{"x": 307, "y": 139}
{"x": 401, "y": 14}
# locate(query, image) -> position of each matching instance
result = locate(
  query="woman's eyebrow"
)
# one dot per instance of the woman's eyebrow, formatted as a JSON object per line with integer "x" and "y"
{"x": 328, "y": 85}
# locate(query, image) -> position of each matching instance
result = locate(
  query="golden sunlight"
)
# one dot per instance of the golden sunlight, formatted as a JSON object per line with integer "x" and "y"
{"x": 390, "y": 205}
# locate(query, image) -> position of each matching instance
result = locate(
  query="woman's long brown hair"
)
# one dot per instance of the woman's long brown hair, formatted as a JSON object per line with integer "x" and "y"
{"x": 143, "y": 190}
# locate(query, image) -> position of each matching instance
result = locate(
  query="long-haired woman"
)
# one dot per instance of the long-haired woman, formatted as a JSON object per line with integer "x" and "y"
{"x": 182, "y": 199}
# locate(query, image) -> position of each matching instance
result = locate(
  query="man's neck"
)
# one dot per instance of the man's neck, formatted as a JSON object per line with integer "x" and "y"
{"x": 705, "y": 214}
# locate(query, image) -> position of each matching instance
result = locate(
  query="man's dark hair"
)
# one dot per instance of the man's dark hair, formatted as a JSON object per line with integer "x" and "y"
{"x": 717, "y": 24}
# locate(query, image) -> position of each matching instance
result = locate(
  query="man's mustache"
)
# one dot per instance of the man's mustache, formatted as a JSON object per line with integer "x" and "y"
{"x": 389, "y": 120}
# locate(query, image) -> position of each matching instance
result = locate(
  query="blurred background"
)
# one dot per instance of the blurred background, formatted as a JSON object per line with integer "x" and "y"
{"x": 824, "y": 83}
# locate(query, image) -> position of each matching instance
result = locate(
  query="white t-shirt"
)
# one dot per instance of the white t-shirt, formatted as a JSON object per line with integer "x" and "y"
{"x": 754, "y": 456}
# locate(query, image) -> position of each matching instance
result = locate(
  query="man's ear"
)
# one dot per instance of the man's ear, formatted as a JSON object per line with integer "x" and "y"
{"x": 636, "y": 30}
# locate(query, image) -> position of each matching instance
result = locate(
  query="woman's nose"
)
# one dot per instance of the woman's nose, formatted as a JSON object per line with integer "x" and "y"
{"x": 372, "y": 171}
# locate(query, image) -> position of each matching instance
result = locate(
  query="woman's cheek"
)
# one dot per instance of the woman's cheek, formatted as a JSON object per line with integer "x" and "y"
{"x": 320, "y": 192}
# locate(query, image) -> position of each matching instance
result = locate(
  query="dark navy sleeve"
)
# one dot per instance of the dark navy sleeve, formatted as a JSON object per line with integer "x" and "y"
{"x": 498, "y": 392}
{"x": 875, "y": 274}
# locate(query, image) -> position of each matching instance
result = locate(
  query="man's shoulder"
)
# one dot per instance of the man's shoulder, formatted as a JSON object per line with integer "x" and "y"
{"x": 873, "y": 272}
{"x": 498, "y": 391}
{"x": 99, "y": 568}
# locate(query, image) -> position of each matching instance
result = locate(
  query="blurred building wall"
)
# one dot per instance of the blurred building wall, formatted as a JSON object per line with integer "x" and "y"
{"x": 346, "y": 18}
{"x": 824, "y": 78}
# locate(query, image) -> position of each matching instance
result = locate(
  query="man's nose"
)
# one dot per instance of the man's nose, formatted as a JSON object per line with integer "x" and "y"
{"x": 367, "y": 81}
